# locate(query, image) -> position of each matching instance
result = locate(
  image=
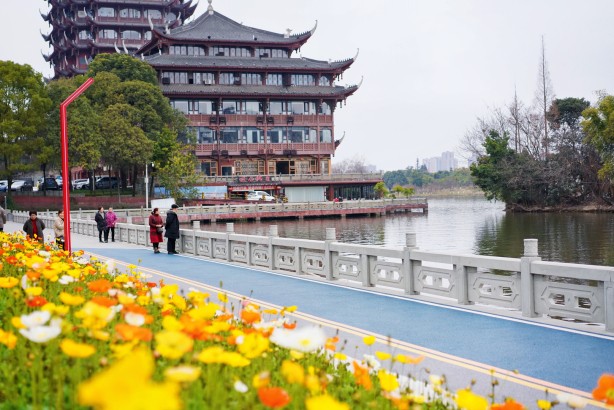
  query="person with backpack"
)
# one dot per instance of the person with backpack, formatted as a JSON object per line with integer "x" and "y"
{"x": 101, "y": 223}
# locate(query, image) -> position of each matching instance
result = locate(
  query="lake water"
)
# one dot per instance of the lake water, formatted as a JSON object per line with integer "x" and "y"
{"x": 464, "y": 225}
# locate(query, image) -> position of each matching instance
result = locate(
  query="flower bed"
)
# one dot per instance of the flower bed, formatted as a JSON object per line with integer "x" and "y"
{"x": 75, "y": 335}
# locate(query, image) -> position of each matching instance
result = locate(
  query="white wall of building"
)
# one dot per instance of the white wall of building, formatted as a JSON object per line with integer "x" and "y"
{"x": 305, "y": 194}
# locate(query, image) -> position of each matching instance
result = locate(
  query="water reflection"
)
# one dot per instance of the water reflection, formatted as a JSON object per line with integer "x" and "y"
{"x": 464, "y": 225}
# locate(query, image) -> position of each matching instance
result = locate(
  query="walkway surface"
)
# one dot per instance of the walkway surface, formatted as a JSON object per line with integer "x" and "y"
{"x": 459, "y": 343}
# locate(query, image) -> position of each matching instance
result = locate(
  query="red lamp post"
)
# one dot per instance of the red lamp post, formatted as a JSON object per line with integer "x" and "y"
{"x": 65, "y": 169}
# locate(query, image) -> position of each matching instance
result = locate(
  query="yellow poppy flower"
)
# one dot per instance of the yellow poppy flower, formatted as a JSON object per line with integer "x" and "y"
{"x": 293, "y": 372}
{"x": 34, "y": 291}
{"x": 254, "y": 345}
{"x": 182, "y": 373}
{"x": 382, "y": 355}
{"x": 296, "y": 355}
{"x": 369, "y": 340}
{"x": 261, "y": 380}
{"x": 8, "y": 282}
{"x": 340, "y": 356}
{"x": 222, "y": 297}
{"x": 387, "y": 381}
{"x": 78, "y": 350}
{"x": 71, "y": 300}
{"x": 325, "y": 402}
{"x": 173, "y": 344}
{"x": 16, "y": 322}
{"x": 467, "y": 400}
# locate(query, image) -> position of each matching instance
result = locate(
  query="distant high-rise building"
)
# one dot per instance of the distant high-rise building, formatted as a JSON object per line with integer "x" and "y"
{"x": 444, "y": 163}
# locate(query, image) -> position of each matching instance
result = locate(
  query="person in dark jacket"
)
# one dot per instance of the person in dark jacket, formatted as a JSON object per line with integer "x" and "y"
{"x": 101, "y": 223}
{"x": 155, "y": 229}
{"x": 172, "y": 230}
{"x": 34, "y": 227}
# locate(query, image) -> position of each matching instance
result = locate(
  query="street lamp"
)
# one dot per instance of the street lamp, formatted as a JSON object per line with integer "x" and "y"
{"x": 65, "y": 169}
{"x": 147, "y": 186}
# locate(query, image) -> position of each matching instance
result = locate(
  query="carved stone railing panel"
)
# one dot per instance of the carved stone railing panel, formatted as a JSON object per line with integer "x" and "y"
{"x": 219, "y": 249}
{"x": 435, "y": 280}
{"x": 141, "y": 237}
{"x": 132, "y": 236}
{"x": 260, "y": 255}
{"x": 346, "y": 267}
{"x": 387, "y": 274}
{"x": 284, "y": 259}
{"x": 313, "y": 262}
{"x": 188, "y": 243}
{"x": 238, "y": 252}
{"x": 124, "y": 235}
{"x": 495, "y": 290}
{"x": 202, "y": 247}
{"x": 569, "y": 300}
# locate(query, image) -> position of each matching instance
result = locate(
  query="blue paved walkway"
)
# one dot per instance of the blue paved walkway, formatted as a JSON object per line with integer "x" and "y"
{"x": 564, "y": 358}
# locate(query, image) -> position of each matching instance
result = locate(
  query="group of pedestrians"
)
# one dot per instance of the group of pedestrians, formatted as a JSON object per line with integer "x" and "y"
{"x": 170, "y": 228}
{"x": 105, "y": 221}
{"x": 34, "y": 228}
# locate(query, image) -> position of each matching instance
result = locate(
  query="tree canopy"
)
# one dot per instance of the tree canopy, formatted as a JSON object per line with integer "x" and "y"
{"x": 125, "y": 67}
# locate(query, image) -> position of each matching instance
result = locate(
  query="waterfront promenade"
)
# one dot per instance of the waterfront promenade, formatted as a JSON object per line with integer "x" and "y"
{"x": 459, "y": 341}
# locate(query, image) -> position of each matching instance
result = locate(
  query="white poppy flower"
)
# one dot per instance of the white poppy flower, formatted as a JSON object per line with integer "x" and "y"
{"x": 134, "y": 319}
{"x": 37, "y": 318}
{"x": 41, "y": 334}
{"x": 241, "y": 387}
{"x": 308, "y": 339}
{"x": 65, "y": 280}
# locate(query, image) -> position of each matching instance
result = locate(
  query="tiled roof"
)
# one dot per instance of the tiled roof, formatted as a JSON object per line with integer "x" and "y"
{"x": 166, "y": 60}
{"x": 257, "y": 90}
{"x": 216, "y": 26}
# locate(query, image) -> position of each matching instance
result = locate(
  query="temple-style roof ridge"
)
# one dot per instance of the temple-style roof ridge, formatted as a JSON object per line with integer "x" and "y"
{"x": 215, "y": 26}
{"x": 337, "y": 92}
{"x": 245, "y": 63}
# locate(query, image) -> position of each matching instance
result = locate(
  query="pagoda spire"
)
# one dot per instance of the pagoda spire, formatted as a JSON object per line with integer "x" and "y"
{"x": 210, "y": 8}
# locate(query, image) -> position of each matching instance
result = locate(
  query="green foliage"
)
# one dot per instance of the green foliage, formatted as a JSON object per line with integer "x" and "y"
{"x": 421, "y": 178}
{"x": 568, "y": 111}
{"x": 176, "y": 167}
{"x": 598, "y": 125}
{"x": 381, "y": 190}
{"x": 488, "y": 172}
{"x": 123, "y": 66}
{"x": 406, "y": 192}
{"x": 23, "y": 107}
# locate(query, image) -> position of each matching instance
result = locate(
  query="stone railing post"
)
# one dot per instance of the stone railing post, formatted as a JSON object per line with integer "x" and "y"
{"x": 273, "y": 233}
{"x": 410, "y": 267}
{"x": 80, "y": 217}
{"x": 230, "y": 230}
{"x": 608, "y": 290}
{"x": 462, "y": 280}
{"x": 195, "y": 228}
{"x": 527, "y": 285}
{"x": 331, "y": 236}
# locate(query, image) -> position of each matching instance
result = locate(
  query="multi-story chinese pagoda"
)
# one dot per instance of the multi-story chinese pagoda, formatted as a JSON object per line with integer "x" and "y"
{"x": 255, "y": 109}
{"x": 82, "y": 29}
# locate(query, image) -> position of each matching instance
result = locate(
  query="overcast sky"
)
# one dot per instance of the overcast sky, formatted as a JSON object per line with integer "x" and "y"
{"x": 429, "y": 67}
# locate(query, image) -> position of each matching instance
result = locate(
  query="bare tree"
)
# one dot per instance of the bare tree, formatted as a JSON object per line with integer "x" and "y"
{"x": 472, "y": 143}
{"x": 544, "y": 94}
{"x": 356, "y": 164}
{"x": 516, "y": 112}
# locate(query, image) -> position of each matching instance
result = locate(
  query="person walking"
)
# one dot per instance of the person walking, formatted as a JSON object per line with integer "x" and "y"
{"x": 34, "y": 227}
{"x": 172, "y": 230}
{"x": 111, "y": 221}
{"x": 3, "y": 219}
{"x": 58, "y": 229}
{"x": 156, "y": 227}
{"x": 101, "y": 223}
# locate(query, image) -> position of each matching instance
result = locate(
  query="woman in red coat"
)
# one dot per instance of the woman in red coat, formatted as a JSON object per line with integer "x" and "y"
{"x": 155, "y": 229}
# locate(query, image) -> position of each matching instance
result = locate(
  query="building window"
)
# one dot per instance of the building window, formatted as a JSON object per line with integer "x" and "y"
{"x": 82, "y": 61}
{"x": 324, "y": 82}
{"x": 155, "y": 14}
{"x": 131, "y": 35}
{"x": 326, "y": 135}
{"x": 303, "y": 79}
{"x": 229, "y": 51}
{"x": 204, "y": 78}
{"x": 106, "y": 12}
{"x": 196, "y": 51}
{"x": 204, "y": 135}
{"x": 312, "y": 109}
{"x": 230, "y": 107}
{"x": 299, "y": 134}
{"x": 206, "y": 107}
{"x": 251, "y": 79}
{"x": 253, "y": 135}
{"x": 313, "y": 135}
{"x": 209, "y": 168}
{"x": 325, "y": 109}
{"x": 112, "y": 34}
{"x": 130, "y": 13}
{"x": 181, "y": 105}
{"x": 171, "y": 17}
{"x": 276, "y": 135}
{"x": 84, "y": 35}
{"x": 230, "y": 135}
{"x": 148, "y": 35}
{"x": 81, "y": 14}
{"x": 251, "y": 108}
{"x": 271, "y": 53}
{"x": 275, "y": 79}
{"x": 227, "y": 78}
{"x": 277, "y": 108}
{"x": 176, "y": 77}
{"x": 299, "y": 107}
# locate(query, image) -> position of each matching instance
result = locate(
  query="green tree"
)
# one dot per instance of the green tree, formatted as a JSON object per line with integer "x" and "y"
{"x": 177, "y": 170}
{"x": 125, "y": 143}
{"x": 381, "y": 190}
{"x": 598, "y": 125}
{"x": 392, "y": 178}
{"x": 489, "y": 171}
{"x": 123, "y": 66}
{"x": 23, "y": 113}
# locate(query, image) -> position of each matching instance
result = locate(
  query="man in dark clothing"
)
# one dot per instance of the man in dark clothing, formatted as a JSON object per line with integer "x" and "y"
{"x": 172, "y": 230}
{"x": 34, "y": 227}
{"x": 101, "y": 223}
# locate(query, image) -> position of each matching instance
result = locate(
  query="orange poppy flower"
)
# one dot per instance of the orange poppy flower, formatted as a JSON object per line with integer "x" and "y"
{"x": 104, "y": 301}
{"x": 510, "y": 404}
{"x": 290, "y": 326}
{"x": 333, "y": 340}
{"x": 152, "y": 284}
{"x": 134, "y": 308}
{"x": 128, "y": 332}
{"x": 274, "y": 397}
{"x": 250, "y": 317}
{"x": 12, "y": 260}
{"x": 231, "y": 340}
{"x": 167, "y": 312}
{"x": 330, "y": 346}
{"x": 100, "y": 286}
{"x": 31, "y": 275}
{"x": 36, "y": 301}
{"x": 223, "y": 318}
{"x": 605, "y": 389}
{"x": 362, "y": 376}
{"x": 78, "y": 289}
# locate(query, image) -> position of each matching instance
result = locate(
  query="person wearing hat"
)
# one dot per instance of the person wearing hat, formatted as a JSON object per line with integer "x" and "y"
{"x": 172, "y": 230}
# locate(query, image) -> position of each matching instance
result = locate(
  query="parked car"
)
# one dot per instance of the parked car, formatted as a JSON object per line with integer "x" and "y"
{"x": 59, "y": 180}
{"x": 80, "y": 183}
{"x": 103, "y": 183}
{"x": 22, "y": 185}
{"x": 50, "y": 184}
{"x": 4, "y": 185}
{"x": 259, "y": 196}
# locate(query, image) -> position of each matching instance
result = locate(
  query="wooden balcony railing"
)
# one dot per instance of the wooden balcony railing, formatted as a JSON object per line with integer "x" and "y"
{"x": 259, "y": 120}
{"x": 278, "y": 149}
